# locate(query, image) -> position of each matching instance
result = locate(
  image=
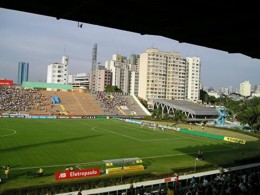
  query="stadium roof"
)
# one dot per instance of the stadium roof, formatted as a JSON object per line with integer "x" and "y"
{"x": 187, "y": 106}
{"x": 226, "y": 25}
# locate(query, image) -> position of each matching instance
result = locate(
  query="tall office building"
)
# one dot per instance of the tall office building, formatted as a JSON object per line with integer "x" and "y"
{"x": 23, "y": 72}
{"x": 167, "y": 75}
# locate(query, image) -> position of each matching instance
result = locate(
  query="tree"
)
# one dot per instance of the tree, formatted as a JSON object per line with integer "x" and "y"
{"x": 143, "y": 102}
{"x": 250, "y": 113}
{"x": 111, "y": 88}
{"x": 178, "y": 116}
{"x": 204, "y": 97}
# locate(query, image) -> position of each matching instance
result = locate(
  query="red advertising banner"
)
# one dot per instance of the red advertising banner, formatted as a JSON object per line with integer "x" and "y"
{"x": 6, "y": 83}
{"x": 77, "y": 174}
{"x": 167, "y": 179}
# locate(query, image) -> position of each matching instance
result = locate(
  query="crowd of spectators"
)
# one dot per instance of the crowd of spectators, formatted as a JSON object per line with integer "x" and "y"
{"x": 246, "y": 183}
{"x": 109, "y": 101}
{"x": 242, "y": 183}
{"x": 16, "y": 100}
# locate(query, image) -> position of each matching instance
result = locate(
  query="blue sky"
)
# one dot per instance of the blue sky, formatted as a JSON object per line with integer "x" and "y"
{"x": 42, "y": 40}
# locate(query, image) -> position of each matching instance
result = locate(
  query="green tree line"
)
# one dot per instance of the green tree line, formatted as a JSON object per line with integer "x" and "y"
{"x": 246, "y": 110}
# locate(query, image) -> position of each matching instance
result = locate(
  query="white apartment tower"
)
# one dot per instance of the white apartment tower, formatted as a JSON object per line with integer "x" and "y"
{"x": 245, "y": 88}
{"x": 120, "y": 72}
{"x": 167, "y": 75}
{"x": 58, "y": 72}
{"x": 193, "y": 78}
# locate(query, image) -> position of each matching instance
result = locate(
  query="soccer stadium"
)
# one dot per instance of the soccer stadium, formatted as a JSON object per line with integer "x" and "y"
{"x": 62, "y": 142}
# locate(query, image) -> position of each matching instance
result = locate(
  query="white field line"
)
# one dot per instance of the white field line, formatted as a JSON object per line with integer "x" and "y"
{"x": 130, "y": 137}
{"x": 100, "y": 162}
{"x": 179, "y": 136}
{"x": 78, "y": 167}
{"x": 92, "y": 128}
{"x": 13, "y": 132}
{"x": 60, "y": 165}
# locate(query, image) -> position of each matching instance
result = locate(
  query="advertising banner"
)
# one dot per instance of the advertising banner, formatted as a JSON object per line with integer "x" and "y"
{"x": 125, "y": 169}
{"x": 234, "y": 140}
{"x": 77, "y": 174}
{"x": 6, "y": 83}
{"x": 166, "y": 180}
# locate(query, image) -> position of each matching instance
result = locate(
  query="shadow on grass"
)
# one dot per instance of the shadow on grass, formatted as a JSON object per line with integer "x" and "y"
{"x": 48, "y": 143}
{"x": 221, "y": 155}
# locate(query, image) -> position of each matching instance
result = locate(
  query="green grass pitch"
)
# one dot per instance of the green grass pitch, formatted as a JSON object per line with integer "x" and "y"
{"x": 27, "y": 144}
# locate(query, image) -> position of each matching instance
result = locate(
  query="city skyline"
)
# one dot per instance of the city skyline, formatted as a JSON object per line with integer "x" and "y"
{"x": 41, "y": 40}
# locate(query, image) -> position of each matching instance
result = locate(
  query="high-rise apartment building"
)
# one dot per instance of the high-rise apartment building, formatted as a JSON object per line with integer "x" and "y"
{"x": 58, "y": 72}
{"x": 23, "y": 72}
{"x": 120, "y": 70}
{"x": 167, "y": 75}
{"x": 101, "y": 78}
{"x": 245, "y": 88}
{"x": 193, "y": 78}
{"x": 134, "y": 61}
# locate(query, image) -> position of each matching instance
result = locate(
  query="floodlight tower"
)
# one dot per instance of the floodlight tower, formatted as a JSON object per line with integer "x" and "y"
{"x": 94, "y": 57}
{"x": 93, "y": 68}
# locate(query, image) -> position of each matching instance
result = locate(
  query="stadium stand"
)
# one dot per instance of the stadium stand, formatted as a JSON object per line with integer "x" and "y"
{"x": 239, "y": 180}
{"x": 134, "y": 107}
{"x": 19, "y": 100}
{"x": 119, "y": 104}
{"x": 42, "y": 102}
{"x": 76, "y": 103}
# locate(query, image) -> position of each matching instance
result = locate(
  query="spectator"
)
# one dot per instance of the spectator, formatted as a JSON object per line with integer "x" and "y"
{"x": 200, "y": 155}
{"x": 6, "y": 171}
{"x": 176, "y": 184}
{"x": 142, "y": 190}
{"x": 40, "y": 172}
{"x": 79, "y": 192}
{"x": 131, "y": 190}
{"x": 170, "y": 190}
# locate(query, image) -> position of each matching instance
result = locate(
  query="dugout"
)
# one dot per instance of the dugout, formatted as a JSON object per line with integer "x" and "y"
{"x": 122, "y": 162}
{"x": 123, "y": 165}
